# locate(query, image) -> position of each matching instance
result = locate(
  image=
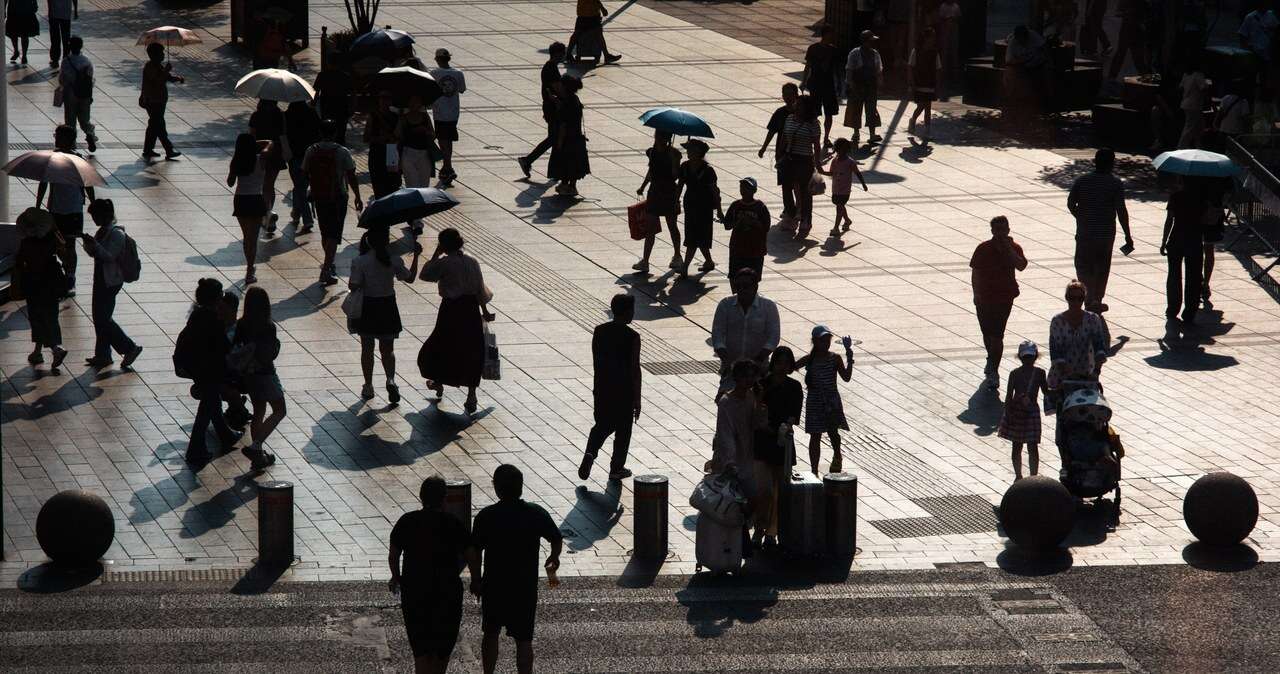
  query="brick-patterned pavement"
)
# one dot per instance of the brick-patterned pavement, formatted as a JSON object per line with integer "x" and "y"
{"x": 923, "y": 442}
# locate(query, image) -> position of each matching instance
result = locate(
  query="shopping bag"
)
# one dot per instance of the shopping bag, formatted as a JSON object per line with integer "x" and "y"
{"x": 393, "y": 158}
{"x": 817, "y": 185}
{"x": 492, "y": 362}
{"x": 642, "y": 223}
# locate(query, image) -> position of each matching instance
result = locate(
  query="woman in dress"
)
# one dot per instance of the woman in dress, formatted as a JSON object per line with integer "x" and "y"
{"x": 417, "y": 144}
{"x": 39, "y": 277}
{"x": 801, "y": 139}
{"x": 256, "y": 332}
{"x": 697, "y": 181}
{"x": 775, "y": 451}
{"x": 825, "y": 411}
{"x": 1078, "y": 340}
{"x": 379, "y": 133}
{"x": 248, "y": 168}
{"x": 454, "y": 353}
{"x": 21, "y": 24}
{"x": 663, "y": 199}
{"x": 267, "y": 123}
{"x": 374, "y": 274}
{"x": 569, "y": 162}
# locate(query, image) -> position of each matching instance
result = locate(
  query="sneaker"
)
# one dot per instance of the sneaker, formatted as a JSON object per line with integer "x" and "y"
{"x": 366, "y": 391}
{"x": 834, "y": 233}
{"x": 874, "y": 138}
{"x": 59, "y": 355}
{"x": 612, "y": 58}
{"x": 98, "y": 362}
{"x": 993, "y": 381}
{"x": 560, "y": 188}
{"x": 35, "y": 358}
{"x": 131, "y": 356}
{"x": 676, "y": 262}
{"x": 92, "y": 144}
{"x": 641, "y": 266}
{"x": 150, "y": 154}
{"x": 620, "y": 474}
{"x": 393, "y": 394}
{"x": 305, "y": 228}
{"x": 707, "y": 266}
{"x": 569, "y": 191}
{"x": 172, "y": 155}
{"x": 324, "y": 275}
{"x": 258, "y": 459}
{"x": 584, "y": 468}
{"x": 526, "y": 166}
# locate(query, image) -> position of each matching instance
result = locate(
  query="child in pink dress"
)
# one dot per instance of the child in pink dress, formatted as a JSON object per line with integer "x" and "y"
{"x": 842, "y": 170}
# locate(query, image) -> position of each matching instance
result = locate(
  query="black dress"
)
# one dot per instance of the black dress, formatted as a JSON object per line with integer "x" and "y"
{"x": 664, "y": 166}
{"x": 20, "y": 18}
{"x": 700, "y": 194}
{"x": 784, "y": 402}
{"x": 569, "y": 159}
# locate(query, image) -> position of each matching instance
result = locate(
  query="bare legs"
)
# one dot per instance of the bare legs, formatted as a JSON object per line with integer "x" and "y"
{"x": 489, "y": 654}
{"x": 815, "y": 451}
{"x": 675, "y": 239}
{"x": 387, "y": 347}
{"x": 688, "y": 258}
{"x": 926, "y": 108}
{"x": 269, "y": 196}
{"x": 249, "y": 230}
{"x": 261, "y": 427}
{"x": 1033, "y": 459}
{"x": 1208, "y": 270}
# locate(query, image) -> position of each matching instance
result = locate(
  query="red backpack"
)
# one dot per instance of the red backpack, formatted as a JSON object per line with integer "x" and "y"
{"x": 323, "y": 175}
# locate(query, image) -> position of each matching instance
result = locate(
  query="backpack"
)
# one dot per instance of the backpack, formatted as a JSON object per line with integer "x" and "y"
{"x": 185, "y": 358}
{"x": 323, "y": 176}
{"x": 130, "y": 263}
{"x": 82, "y": 85}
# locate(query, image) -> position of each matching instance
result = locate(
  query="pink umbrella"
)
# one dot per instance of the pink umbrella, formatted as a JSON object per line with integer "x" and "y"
{"x": 169, "y": 36}
{"x": 50, "y": 166}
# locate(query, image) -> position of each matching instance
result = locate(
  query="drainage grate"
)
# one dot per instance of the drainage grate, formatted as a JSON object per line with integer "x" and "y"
{"x": 676, "y": 367}
{"x": 175, "y": 576}
{"x": 948, "y": 515}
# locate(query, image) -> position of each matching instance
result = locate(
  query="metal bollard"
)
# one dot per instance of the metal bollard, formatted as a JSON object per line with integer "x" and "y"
{"x": 275, "y": 523}
{"x": 841, "y": 493}
{"x": 649, "y": 517}
{"x": 457, "y": 501}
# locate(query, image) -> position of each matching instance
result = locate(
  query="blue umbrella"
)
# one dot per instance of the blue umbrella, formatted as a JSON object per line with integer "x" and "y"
{"x": 1196, "y": 163}
{"x": 403, "y": 205}
{"x": 677, "y": 122}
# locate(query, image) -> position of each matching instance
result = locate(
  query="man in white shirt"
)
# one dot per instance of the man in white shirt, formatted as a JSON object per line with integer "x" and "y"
{"x": 745, "y": 326}
{"x": 76, "y": 79}
{"x": 445, "y": 111}
{"x": 864, "y": 72}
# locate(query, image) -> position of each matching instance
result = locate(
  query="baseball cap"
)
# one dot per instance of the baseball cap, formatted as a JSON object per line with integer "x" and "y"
{"x": 750, "y": 181}
{"x": 1028, "y": 348}
{"x": 821, "y": 331}
{"x": 868, "y": 36}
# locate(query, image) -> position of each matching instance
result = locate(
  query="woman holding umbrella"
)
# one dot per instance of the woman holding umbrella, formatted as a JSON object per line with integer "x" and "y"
{"x": 417, "y": 145}
{"x": 41, "y": 280}
{"x": 454, "y": 353}
{"x": 374, "y": 275}
{"x": 569, "y": 162}
{"x": 663, "y": 198}
{"x": 248, "y": 171}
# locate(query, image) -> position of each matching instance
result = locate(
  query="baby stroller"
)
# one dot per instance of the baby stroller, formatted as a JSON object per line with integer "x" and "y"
{"x": 1090, "y": 449}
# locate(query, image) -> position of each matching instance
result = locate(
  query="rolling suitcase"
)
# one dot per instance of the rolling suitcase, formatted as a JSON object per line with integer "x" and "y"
{"x": 717, "y": 547}
{"x": 802, "y": 516}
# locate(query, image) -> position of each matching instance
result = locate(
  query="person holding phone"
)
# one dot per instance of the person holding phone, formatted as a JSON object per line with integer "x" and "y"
{"x": 1097, "y": 202}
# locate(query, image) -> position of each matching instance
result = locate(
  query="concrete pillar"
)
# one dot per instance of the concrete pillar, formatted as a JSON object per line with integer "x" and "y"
{"x": 275, "y": 523}
{"x": 840, "y": 490}
{"x": 649, "y": 517}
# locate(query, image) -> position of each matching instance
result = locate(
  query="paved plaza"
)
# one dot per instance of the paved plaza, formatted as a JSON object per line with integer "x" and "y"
{"x": 923, "y": 446}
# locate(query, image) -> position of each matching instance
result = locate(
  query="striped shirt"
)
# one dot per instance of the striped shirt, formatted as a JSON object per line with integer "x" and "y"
{"x": 1095, "y": 199}
{"x": 799, "y": 136}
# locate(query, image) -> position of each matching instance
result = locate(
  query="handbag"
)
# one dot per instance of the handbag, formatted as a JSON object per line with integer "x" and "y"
{"x": 817, "y": 185}
{"x": 242, "y": 359}
{"x": 717, "y": 496}
{"x": 492, "y": 369}
{"x": 353, "y": 307}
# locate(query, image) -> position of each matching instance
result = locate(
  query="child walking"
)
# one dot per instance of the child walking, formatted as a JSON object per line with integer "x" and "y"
{"x": 1021, "y": 421}
{"x": 923, "y": 68}
{"x": 824, "y": 412}
{"x": 842, "y": 170}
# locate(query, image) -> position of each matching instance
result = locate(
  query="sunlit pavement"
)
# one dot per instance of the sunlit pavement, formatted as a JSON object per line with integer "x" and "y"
{"x": 923, "y": 443}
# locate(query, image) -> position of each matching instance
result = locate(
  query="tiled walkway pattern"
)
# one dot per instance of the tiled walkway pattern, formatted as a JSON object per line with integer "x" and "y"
{"x": 899, "y": 281}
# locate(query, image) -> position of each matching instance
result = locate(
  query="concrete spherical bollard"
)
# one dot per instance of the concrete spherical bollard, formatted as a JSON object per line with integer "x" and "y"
{"x": 1037, "y": 512}
{"x": 1220, "y": 509}
{"x": 75, "y": 527}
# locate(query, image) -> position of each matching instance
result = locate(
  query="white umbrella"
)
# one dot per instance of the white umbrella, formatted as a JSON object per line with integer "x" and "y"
{"x": 273, "y": 84}
{"x": 50, "y": 166}
{"x": 169, "y": 36}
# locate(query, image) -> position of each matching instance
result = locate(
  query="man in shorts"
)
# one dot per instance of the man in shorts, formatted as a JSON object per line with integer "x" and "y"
{"x": 507, "y": 537}
{"x": 820, "y": 80}
{"x": 790, "y": 94}
{"x": 432, "y": 543}
{"x": 330, "y": 170}
{"x": 445, "y": 111}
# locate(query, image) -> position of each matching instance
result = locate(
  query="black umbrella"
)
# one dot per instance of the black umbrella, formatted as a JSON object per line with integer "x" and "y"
{"x": 403, "y": 205}
{"x": 404, "y": 82}
{"x": 384, "y": 43}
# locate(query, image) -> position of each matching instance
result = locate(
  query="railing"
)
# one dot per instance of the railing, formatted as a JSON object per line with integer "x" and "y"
{"x": 1256, "y": 198}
